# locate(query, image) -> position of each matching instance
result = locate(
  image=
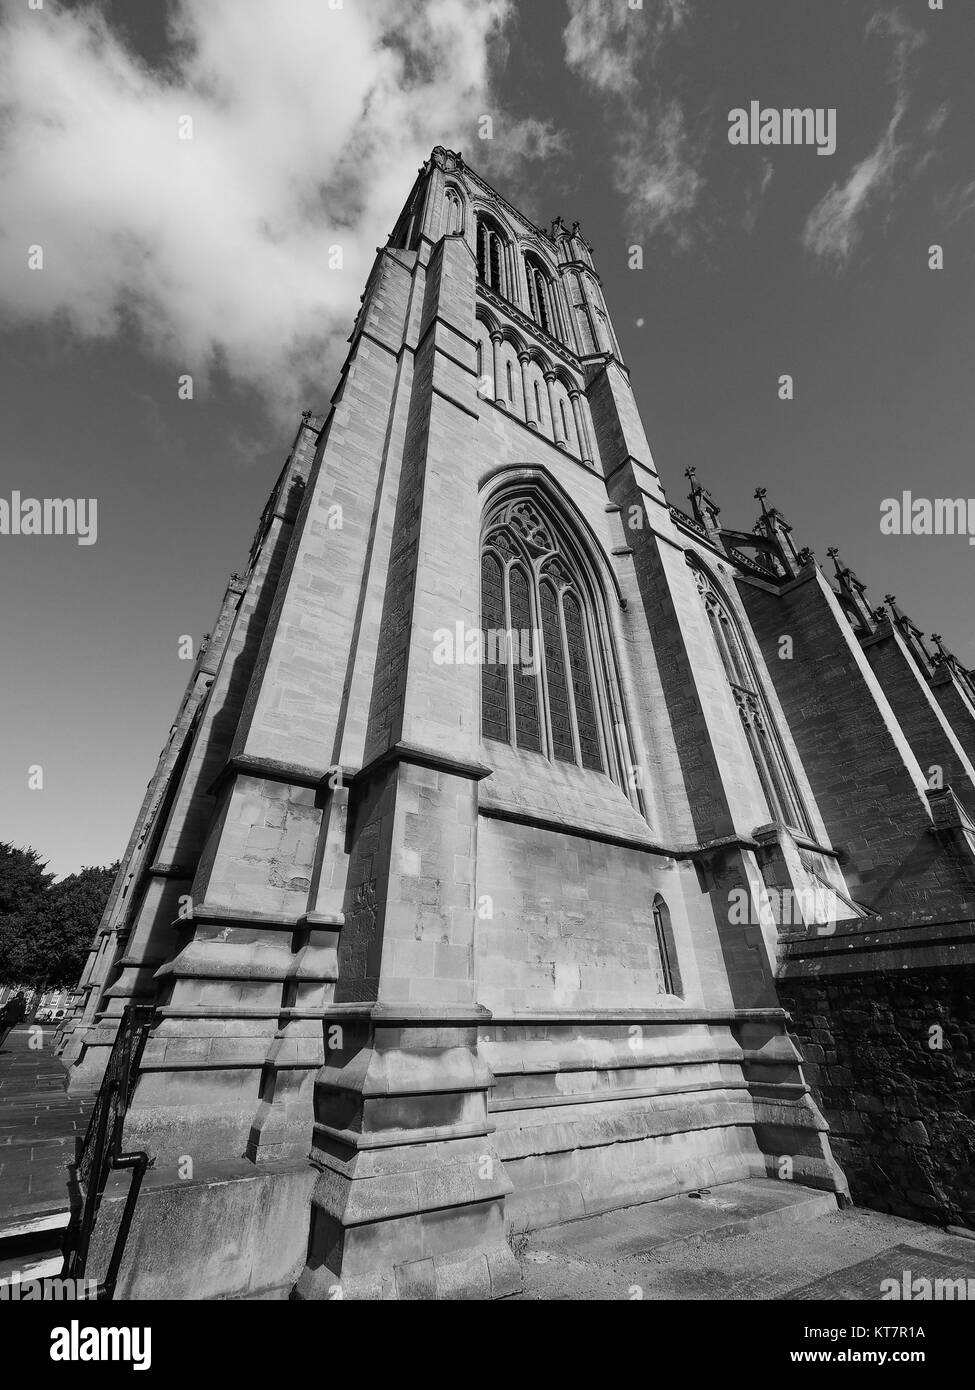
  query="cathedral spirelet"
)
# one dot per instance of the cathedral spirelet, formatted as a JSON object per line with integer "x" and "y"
{"x": 505, "y": 807}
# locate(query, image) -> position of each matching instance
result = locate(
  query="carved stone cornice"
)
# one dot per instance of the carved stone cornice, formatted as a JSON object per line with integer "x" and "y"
{"x": 683, "y": 519}
{"x": 753, "y": 566}
{"x": 733, "y": 557}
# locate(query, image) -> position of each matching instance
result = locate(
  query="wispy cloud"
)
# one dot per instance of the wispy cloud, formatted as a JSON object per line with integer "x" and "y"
{"x": 958, "y": 202}
{"x": 835, "y": 225}
{"x": 656, "y": 166}
{"x": 932, "y": 126}
{"x": 755, "y": 194}
{"x": 605, "y": 44}
{"x": 512, "y": 156}
{"x": 216, "y": 248}
{"x": 905, "y": 41}
{"x": 656, "y": 158}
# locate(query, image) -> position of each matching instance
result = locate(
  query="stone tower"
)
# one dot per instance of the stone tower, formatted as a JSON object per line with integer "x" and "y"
{"x": 459, "y": 886}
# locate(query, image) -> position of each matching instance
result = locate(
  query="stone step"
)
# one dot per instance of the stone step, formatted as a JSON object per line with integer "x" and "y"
{"x": 45, "y": 1265}
{"x": 30, "y": 1244}
{"x": 728, "y": 1210}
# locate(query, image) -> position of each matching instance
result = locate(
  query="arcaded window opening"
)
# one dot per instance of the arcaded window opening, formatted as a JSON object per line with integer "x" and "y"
{"x": 493, "y": 256}
{"x": 453, "y": 218}
{"x": 541, "y": 296}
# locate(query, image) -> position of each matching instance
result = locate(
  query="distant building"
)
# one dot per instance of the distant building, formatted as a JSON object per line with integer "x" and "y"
{"x": 57, "y": 1001}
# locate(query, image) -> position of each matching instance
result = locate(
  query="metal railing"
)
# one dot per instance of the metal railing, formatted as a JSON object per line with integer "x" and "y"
{"x": 100, "y": 1151}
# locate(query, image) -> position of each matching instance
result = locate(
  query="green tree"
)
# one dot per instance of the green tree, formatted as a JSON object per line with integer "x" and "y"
{"x": 22, "y": 878}
{"x": 46, "y": 928}
{"x": 75, "y": 905}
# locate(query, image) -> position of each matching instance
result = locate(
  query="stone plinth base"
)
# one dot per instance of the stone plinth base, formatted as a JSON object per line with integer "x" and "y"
{"x": 410, "y": 1200}
{"x": 596, "y": 1114}
{"x": 231, "y": 1233}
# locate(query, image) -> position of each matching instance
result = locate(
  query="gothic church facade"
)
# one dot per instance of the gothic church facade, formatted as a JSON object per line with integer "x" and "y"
{"x": 494, "y": 815}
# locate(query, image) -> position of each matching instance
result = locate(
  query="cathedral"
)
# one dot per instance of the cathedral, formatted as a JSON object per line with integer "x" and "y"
{"x": 525, "y": 846}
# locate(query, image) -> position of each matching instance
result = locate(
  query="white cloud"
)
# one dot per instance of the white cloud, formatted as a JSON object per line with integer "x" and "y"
{"x": 657, "y": 170}
{"x": 956, "y": 203}
{"x": 754, "y": 196}
{"x": 656, "y": 162}
{"x": 606, "y": 42}
{"x": 308, "y": 125}
{"x": 932, "y": 126}
{"x": 510, "y": 159}
{"x": 521, "y": 141}
{"x": 905, "y": 41}
{"x": 835, "y": 225}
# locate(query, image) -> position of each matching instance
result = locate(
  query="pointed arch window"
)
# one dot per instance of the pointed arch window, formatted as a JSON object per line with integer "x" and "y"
{"x": 548, "y": 682}
{"x": 541, "y": 294}
{"x": 453, "y": 211}
{"x": 492, "y": 255}
{"x": 768, "y": 754}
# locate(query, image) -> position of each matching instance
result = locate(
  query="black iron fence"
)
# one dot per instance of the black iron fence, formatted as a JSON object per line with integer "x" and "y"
{"x": 100, "y": 1151}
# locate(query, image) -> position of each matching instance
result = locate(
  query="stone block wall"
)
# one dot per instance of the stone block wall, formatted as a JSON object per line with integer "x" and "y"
{"x": 571, "y": 922}
{"x": 941, "y": 755}
{"x": 618, "y": 1107}
{"x": 266, "y": 847}
{"x": 957, "y": 708}
{"x": 866, "y": 779}
{"x": 899, "y": 1107}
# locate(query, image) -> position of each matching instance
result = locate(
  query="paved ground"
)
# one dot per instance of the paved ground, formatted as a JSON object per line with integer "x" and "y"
{"x": 748, "y": 1241}
{"x": 38, "y": 1125}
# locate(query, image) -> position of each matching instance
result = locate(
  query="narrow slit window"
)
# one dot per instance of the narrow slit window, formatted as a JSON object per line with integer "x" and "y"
{"x": 582, "y": 685}
{"x": 527, "y": 727}
{"x": 494, "y": 674}
{"x": 666, "y": 949}
{"x": 563, "y": 744}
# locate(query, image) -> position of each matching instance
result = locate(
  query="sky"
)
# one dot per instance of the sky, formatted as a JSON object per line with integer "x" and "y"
{"x": 184, "y": 169}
